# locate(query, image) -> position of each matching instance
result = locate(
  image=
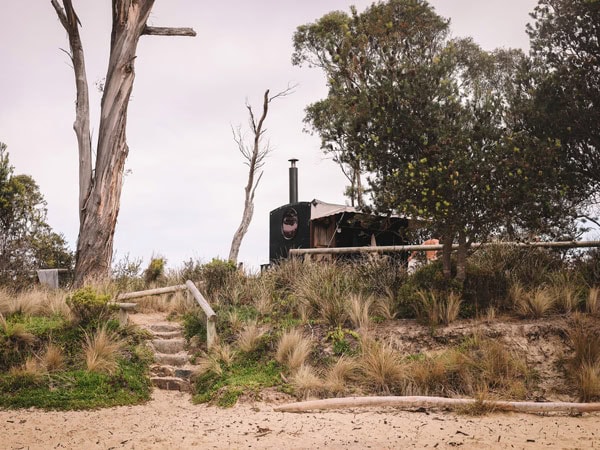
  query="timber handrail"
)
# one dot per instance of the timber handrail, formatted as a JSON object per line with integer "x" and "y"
{"x": 420, "y": 247}
{"x": 211, "y": 316}
{"x": 147, "y": 293}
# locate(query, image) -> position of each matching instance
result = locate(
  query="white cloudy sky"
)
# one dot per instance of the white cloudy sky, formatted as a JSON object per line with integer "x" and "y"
{"x": 183, "y": 197}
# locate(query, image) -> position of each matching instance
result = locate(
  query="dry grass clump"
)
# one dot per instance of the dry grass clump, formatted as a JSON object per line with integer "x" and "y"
{"x": 433, "y": 308}
{"x": 592, "y": 303}
{"x": 583, "y": 367}
{"x": 565, "y": 287}
{"x": 386, "y": 305}
{"x": 101, "y": 349}
{"x": 324, "y": 290}
{"x": 27, "y": 302}
{"x": 533, "y": 304}
{"x": 340, "y": 375}
{"x": 293, "y": 350}
{"x": 306, "y": 382}
{"x": 359, "y": 308}
{"x": 380, "y": 365}
{"x": 262, "y": 289}
{"x": 31, "y": 369}
{"x": 53, "y": 358}
{"x": 235, "y": 321}
{"x": 219, "y": 357}
{"x": 250, "y": 336}
{"x": 479, "y": 365}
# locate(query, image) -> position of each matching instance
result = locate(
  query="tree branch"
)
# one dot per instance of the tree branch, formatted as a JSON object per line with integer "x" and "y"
{"x": 167, "y": 31}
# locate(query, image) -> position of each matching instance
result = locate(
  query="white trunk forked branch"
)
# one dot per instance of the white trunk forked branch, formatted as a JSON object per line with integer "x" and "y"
{"x": 100, "y": 190}
{"x": 255, "y": 159}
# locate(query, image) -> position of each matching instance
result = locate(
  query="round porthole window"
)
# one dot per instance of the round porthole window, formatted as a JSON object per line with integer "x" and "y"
{"x": 289, "y": 224}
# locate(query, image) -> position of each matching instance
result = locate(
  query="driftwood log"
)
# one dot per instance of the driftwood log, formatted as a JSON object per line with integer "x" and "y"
{"x": 436, "y": 402}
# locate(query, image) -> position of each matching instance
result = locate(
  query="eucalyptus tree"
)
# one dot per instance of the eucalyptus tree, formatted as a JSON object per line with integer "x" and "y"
{"x": 100, "y": 180}
{"x": 431, "y": 119}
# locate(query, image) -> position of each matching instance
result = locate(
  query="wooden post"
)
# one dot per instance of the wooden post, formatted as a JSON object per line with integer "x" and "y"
{"x": 211, "y": 317}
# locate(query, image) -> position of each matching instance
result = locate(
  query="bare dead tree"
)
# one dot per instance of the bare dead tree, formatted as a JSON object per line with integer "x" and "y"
{"x": 254, "y": 157}
{"x": 100, "y": 186}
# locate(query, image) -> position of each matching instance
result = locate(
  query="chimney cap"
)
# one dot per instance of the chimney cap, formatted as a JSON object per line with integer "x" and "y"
{"x": 293, "y": 161}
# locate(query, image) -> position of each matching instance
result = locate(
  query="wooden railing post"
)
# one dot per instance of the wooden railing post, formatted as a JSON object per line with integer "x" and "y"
{"x": 211, "y": 317}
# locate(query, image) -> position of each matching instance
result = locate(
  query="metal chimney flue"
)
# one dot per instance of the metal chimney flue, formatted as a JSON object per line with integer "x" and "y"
{"x": 293, "y": 181}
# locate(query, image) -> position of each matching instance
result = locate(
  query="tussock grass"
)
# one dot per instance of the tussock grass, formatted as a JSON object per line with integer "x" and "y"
{"x": 101, "y": 349}
{"x": 592, "y": 303}
{"x": 450, "y": 308}
{"x": 433, "y": 308}
{"x": 380, "y": 365}
{"x": 293, "y": 349}
{"x": 583, "y": 367}
{"x": 249, "y": 337}
{"x": 532, "y": 304}
{"x": 324, "y": 289}
{"x": 235, "y": 321}
{"x": 360, "y": 307}
{"x": 386, "y": 305}
{"x": 565, "y": 287}
{"x": 53, "y": 358}
{"x": 341, "y": 374}
{"x": 306, "y": 382}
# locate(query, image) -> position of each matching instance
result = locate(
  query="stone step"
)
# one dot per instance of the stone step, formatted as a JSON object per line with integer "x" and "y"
{"x": 165, "y": 327}
{"x": 175, "y": 359}
{"x": 184, "y": 373}
{"x": 171, "y": 383}
{"x": 168, "y": 345}
{"x": 168, "y": 334}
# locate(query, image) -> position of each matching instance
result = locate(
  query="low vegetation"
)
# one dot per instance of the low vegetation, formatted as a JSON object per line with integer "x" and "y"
{"x": 319, "y": 330}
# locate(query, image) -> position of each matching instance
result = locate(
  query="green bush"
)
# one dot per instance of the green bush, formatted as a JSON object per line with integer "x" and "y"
{"x": 155, "y": 271}
{"x": 216, "y": 275}
{"x": 88, "y": 306}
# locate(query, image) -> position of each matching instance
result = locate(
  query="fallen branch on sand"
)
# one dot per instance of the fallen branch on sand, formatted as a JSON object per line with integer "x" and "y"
{"x": 436, "y": 402}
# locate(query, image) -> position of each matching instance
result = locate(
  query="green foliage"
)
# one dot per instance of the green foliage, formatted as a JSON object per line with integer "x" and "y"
{"x": 126, "y": 274}
{"x": 240, "y": 377}
{"x": 344, "y": 341}
{"x": 566, "y": 51}
{"x": 155, "y": 271}
{"x": 438, "y": 123}
{"x": 216, "y": 275}
{"x": 76, "y": 389}
{"x": 26, "y": 241}
{"x": 88, "y": 306}
{"x": 194, "y": 324}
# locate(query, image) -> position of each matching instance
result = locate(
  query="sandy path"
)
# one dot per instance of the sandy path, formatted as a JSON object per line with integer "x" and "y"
{"x": 170, "y": 421}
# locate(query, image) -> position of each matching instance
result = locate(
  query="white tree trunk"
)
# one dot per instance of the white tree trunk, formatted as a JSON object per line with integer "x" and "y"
{"x": 100, "y": 192}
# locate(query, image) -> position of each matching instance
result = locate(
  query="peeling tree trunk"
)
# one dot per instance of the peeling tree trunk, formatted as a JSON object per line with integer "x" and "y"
{"x": 254, "y": 157}
{"x": 100, "y": 191}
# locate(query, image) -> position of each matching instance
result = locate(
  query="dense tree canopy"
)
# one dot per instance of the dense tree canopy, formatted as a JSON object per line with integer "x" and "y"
{"x": 565, "y": 41}
{"x": 437, "y": 123}
{"x": 26, "y": 241}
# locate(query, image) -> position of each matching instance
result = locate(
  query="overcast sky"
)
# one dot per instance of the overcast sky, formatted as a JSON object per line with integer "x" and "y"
{"x": 183, "y": 195}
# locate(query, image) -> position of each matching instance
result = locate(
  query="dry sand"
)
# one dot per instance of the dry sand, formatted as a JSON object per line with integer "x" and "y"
{"x": 171, "y": 421}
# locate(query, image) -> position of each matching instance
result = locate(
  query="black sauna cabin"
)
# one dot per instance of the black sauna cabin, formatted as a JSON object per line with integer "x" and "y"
{"x": 317, "y": 224}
